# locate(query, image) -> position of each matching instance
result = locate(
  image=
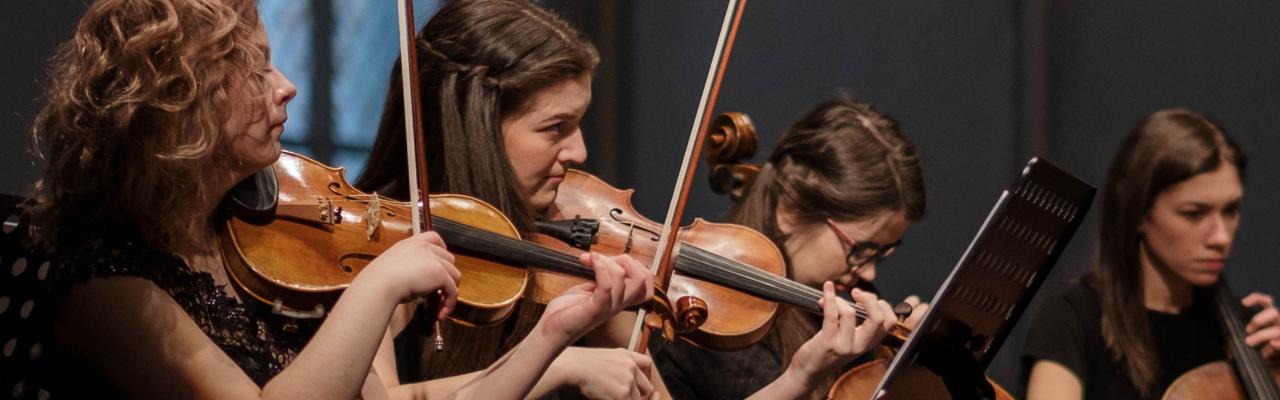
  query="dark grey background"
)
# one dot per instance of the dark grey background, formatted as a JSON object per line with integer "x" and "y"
{"x": 978, "y": 86}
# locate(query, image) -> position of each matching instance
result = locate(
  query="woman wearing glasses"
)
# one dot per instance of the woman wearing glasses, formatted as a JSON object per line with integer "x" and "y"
{"x": 507, "y": 83}
{"x": 836, "y": 195}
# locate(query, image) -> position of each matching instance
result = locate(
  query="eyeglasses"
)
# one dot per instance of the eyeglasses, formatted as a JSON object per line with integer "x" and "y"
{"x": 860, "y": 253}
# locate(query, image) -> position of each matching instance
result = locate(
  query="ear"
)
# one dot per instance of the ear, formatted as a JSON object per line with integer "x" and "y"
{"x": 1143, "y": 222}
{"x": 785, "y": 217}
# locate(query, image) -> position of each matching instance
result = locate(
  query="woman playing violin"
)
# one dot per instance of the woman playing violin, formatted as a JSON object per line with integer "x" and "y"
{"x": 156, "y": 109}
{"x": 1143, "y": 315}
{"x": 499, "y": 79}
{"x": 506, "y": 85}
{"x": 836, "y": 194}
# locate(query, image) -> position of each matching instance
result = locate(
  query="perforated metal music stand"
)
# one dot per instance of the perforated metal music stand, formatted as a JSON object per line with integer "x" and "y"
{"x": 990, "y": 287}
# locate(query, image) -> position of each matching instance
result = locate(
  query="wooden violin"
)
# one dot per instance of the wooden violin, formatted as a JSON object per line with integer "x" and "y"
{"x": 729, "y": 279}
{"x": 709, "y": 311}
{"x": 733, "y": 140}
{"x": 323, "y": 232}
{"x": 1244, "y": 376}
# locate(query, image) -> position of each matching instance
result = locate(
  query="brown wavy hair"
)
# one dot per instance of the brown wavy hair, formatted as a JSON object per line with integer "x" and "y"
{"x": 1165, "y": 148}
{"x": 845, "y": 161}
{"x": 135, "y": 111}
{"x": 479, "y": 61}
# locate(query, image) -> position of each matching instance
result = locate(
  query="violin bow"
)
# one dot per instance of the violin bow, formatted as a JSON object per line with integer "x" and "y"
{"x": 662, "y": 266}
{"x": 414, "y": 148}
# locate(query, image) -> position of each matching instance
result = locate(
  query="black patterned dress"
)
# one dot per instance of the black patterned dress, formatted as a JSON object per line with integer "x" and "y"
{"x": 261, "y": 343}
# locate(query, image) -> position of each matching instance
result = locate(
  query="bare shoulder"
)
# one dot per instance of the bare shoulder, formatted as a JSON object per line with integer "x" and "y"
{"x": 1051, "y": 380}
{"x": 144, "y": 342}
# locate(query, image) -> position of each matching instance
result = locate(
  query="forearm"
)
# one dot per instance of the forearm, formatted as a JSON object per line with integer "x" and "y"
{"x": 337, "y": 360}
{"x": 443, "y": 387}
{"x": 515, "y": 374}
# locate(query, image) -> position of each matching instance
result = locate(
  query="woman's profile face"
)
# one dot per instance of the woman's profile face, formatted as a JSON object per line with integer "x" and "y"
{"x": 819, "y": 254}
{"x": 545, "y": 140}
{"x": 257, "y": 119}
{"x": 1190, "y": 226}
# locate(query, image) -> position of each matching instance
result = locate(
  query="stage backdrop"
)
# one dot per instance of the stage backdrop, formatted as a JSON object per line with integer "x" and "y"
{"x": 979, "y": 87}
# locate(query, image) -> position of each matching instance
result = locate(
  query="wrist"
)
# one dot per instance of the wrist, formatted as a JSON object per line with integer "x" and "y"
{"x": 544, "y": 337}
{"x": 562, "y": 372}
{"x": 366, "y": 286}
{"x": 798, "y": 376}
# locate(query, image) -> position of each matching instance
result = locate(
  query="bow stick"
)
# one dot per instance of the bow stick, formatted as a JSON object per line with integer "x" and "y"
{"x": 416, "y": 149}
{"x": 662, "y": 261}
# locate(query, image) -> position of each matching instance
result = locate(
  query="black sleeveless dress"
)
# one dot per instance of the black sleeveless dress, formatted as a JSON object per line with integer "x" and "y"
{"x": 261, "y": 343}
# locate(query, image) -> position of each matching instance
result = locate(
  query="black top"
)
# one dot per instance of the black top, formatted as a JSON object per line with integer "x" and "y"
{"x": 261, "y": 343}
{"x": 691, "y": 372}
{"x": 1067, "y": 329}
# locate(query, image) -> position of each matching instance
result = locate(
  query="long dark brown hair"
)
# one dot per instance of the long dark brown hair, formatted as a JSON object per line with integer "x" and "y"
{"x": 135, "y": 110}
{"x": 1165, "y": 148}
{"x": 480, "y": 61}
{"x": 844, "y": 161}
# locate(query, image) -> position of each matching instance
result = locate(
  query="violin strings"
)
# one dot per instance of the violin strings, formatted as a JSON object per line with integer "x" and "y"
{"x": 714, "y": 268}
{"x": 515, "y": 251}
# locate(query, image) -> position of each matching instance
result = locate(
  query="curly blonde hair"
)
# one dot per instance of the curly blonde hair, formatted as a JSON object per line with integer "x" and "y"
{"x": 135, "y": 112}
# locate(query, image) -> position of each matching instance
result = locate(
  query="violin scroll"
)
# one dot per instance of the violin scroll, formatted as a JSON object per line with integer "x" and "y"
{"x": 732, "y": 138}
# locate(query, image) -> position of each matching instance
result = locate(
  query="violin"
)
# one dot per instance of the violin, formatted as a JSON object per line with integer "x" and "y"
{"x": 731, "y": 277}
{"x": 860, "y": 382}
{"x": 323, "y": 232}
{"x": 1244, "y": 376}
{"x": 305, "y": 232}
{"x": 711, "y": 312}
{"x": 732, "y": 140}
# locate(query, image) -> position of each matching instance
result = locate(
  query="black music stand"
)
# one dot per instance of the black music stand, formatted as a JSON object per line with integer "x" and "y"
{"x": 975, "y": 310}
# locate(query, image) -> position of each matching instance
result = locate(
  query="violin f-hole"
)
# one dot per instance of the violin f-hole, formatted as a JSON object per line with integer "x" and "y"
{"x": 352, "y": 263}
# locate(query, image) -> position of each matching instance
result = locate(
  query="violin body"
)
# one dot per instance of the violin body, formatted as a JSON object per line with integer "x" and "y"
{"x": 324, "y": 232}
{"x": 733, "y": 319}
{"x": 1215, "y": 380}
{"x": 860, "y": 382}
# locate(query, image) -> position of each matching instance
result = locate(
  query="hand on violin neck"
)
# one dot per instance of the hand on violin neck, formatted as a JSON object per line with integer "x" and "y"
{"x": 842, "y": 338}
{"x": 414, "y": 267}
{"x": 620, "y": 281}
{"x": 1264, "y": 328}
{"x": 914, "y": 313}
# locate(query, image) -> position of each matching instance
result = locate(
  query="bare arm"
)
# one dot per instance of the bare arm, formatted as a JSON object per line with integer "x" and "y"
{"x": 143, "y": 340}
{"x": 616, "y": 333}
{"x": 149, "y": 347}
{"x": 620, "y": 282}
{"x": 1052, "y": 381}
{"x": 597, "y": 373}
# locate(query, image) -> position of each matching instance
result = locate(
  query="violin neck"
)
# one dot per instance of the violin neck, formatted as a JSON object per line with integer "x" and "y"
{"x": 468, "y": 240}
{"x": 708, "y": 266}
{"x": 1255, "y": 377}
{"x": 691, "y": 261}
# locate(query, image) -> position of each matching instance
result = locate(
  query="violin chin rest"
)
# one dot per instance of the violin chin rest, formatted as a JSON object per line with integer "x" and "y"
{"x": 256, "y": 194}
